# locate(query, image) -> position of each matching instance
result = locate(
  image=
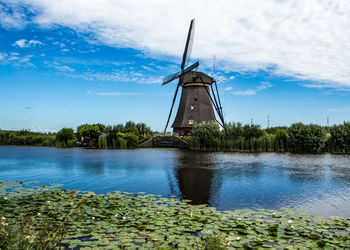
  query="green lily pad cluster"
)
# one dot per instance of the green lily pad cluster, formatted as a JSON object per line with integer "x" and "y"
{"x": 135, "y": 220}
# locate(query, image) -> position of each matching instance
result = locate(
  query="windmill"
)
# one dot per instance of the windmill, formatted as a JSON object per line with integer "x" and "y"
{"x": 197, "y": 97}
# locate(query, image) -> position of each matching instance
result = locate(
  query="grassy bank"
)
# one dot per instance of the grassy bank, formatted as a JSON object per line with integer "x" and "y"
{"x": 298, "y": 138}
{"x": 37, "y": 216}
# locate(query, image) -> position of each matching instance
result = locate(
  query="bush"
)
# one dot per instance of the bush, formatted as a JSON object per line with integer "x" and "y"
{"x": 233, "y": 130}
{"x": 206, "y": 136}
{"x": 281, "y": 141}
{"x": 64, "y": 136}
{"x": 90, "y": 134}
{"x": 252, "y": 131}
{"x": 306, "y": 138}
{"x": 339, "y": 141}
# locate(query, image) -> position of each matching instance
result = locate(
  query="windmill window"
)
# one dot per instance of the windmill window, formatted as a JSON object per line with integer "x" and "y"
{"x": 195, "y": 99}
{"x": 192, "y": 108}
{"x": 190, "y": 122}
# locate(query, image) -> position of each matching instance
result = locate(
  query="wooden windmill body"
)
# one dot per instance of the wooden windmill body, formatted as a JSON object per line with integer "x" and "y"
{"x": 197, "y": 96}
{"x": 195, "y": 105}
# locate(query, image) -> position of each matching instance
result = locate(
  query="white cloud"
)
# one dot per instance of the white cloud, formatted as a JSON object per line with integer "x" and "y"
{"x": 2, "y": 56}
{"x": 34, "y": 42}
{"x": 43, "y": 130}
{"x": 303, "y": 39}
{"x": 11, "y": 17}
{"x": 15, "y": 58}
{"x": 20, "y": 43}
{"x": 118, "y": 76}
{"x": 23, "y": 43}
{"x": 64, "y": 68}
{"x": 245, "y": 92}
{"x": 262, "y": 86}
{"x": 228, "y": 89}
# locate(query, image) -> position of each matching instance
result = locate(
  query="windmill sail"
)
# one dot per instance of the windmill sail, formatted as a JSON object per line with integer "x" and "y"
{"x": 188, "y": 47}
{"x": 196, "y": 102}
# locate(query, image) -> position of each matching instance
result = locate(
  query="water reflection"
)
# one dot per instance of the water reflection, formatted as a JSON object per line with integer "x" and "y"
{"x": 195, "y": 175}
{"x": 318, "y": 184}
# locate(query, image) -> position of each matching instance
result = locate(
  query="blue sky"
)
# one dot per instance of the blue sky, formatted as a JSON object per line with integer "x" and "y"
{"x": 61, "y": 66}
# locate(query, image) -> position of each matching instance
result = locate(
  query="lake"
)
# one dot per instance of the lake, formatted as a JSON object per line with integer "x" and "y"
{"x": 316, "y": 184}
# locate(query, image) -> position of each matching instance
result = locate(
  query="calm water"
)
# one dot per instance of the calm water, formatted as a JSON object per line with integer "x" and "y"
{"x": 319, "y": 185}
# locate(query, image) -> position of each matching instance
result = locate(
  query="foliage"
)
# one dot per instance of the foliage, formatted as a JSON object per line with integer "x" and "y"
{"x": 90, "y": 134}
{"x": 65, "y": 136}
{"x": 129, "y": 220}
{"x": 26, "y": 138}
{"x": 306, "y": 138}
{"x": 206, "y": 136}
{"x": 252, "y": 131}
{"x": 233, "y": 130}
{"x": 212, "y": 242}
{"x": 339, "y": 141}
{"x": 298, "y": 138}
{"x": 281, "y": 141}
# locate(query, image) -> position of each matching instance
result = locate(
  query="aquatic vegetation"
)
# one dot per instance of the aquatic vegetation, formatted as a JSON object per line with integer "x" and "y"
{"x": 121, "y": 219}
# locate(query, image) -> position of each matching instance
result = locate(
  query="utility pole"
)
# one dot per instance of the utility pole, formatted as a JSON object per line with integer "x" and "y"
{"x": 328, "y": 124}
{"x": 251, "y": 121}
{"x": 268, "y": 121}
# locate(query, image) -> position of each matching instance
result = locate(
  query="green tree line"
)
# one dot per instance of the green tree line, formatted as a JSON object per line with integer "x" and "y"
{"x": 127, "y": 135}
{"x": 298, "y": 138}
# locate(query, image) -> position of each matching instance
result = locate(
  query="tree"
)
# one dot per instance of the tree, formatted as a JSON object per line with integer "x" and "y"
{"x": 143, "y": 130}
{"x": 90, "y": 133}
{"x": 252, "y": 131}
{"x": 233, "y": 130}
{"x": 130, "y": 126}
{"x": 306, "y": 138}
{"x": 281, "y": 140}
{"x": 65, "y": 135}
{"x": 206, "y": 135}
{"x": 340, "y": 138}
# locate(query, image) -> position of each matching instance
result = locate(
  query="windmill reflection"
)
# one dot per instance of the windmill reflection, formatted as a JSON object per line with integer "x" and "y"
{"x": 197, "y": 178}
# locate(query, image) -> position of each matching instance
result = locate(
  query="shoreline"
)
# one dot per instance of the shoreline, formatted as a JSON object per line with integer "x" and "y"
{"x": 189, "y": 149}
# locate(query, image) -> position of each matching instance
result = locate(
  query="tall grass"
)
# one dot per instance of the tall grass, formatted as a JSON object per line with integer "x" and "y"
{"x": 298, "y": 138}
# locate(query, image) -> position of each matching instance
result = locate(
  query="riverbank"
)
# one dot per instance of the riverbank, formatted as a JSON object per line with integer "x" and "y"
{"x": 233, "y": 137}
{"x": 121, "y": 219}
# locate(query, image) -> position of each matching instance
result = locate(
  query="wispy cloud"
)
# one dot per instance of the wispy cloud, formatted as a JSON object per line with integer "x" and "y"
{"x": 23, "y": 43}
{"x": 117, "y": 93}
{"x": 302, "y": 39}
{"x": 43, "y": 130}
{"x": 118, "y": 76}
{"x": 14, "y": 58}
{"x": 245, "y": 92}
{"x": 58, "y": 66}
{"x": 262, "y": 86}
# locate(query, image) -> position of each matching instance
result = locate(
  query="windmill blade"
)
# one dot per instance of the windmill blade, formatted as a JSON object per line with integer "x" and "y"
{"x": 188, "y": 69}
{"x": 170, "y": 78}
{"x": 188, "y": 47}
{"x": 172, "y": 105}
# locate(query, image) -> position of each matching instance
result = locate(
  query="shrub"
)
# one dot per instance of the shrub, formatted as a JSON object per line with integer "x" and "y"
{"x": 339, "y": 140}
{"x": 281, "y": 140}
{"x": 252, "y": 131}
{"x": 206, "y": 136}
{"x": 232, "y": 130}
{"x": 65, "y": 135}
{"x": 306, "y": 138}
